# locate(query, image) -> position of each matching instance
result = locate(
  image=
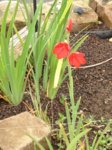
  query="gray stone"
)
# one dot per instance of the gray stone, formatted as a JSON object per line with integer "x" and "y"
{"x": 14, "y": 132}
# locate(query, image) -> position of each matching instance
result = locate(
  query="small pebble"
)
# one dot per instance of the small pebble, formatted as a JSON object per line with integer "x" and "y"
{"x": 110, "y": 40}
{"x": 99, "y": 22}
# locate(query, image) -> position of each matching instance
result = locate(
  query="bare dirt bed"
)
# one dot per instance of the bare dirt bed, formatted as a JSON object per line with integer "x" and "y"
{"x": 94, "y": 85}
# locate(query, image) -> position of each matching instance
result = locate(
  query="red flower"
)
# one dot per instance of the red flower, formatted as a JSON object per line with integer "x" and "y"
{"x": 70, "y": 25}
{"x": 76, "y": 59}
{"x": 61, "y": 50}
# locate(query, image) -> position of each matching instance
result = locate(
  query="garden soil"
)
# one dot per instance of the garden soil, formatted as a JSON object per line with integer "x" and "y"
{"x": 93, "y": 84}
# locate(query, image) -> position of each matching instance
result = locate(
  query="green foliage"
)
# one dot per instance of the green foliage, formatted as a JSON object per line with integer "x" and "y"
{"x": 49, "y": 33}
{"x": 73, "y": 132}
{"x": 12, "y": 73}
{"x": 47, "y": 67}
{"x": 102, "y": 136}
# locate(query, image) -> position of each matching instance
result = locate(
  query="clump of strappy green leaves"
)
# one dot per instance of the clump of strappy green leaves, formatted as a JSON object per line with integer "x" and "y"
{"x": 38, "y": 47}
{"x": 12, "y": 73}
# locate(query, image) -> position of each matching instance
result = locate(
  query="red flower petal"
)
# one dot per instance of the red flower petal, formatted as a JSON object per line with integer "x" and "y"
{"x": 70, "y": 25}
{"x": 76, "y": 59}
{"x": 61, "y": 50}
{"x": 81, "y": 58}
